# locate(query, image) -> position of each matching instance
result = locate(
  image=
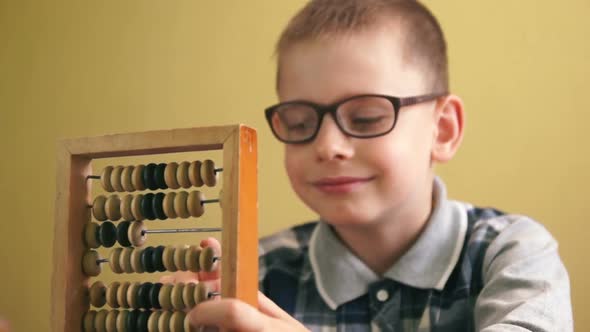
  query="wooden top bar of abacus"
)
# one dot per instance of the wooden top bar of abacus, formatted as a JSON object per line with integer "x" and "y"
{"x": 240, "y": 230}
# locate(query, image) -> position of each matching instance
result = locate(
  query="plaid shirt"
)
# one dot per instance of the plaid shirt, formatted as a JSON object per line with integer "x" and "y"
{"x": 471, "y": 269}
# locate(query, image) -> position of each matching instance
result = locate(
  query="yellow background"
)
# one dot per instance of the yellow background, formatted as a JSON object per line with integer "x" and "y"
{"x": 83, "y": 68}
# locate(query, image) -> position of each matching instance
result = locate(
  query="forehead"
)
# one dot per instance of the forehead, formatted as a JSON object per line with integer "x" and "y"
{"x": 331, "y": 68}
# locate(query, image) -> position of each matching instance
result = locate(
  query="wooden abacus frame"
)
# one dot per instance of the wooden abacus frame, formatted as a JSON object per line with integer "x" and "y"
{"x": 239, "y": 206}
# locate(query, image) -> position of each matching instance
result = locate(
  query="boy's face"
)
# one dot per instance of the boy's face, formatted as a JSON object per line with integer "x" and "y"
{"x": 352, "y": 181}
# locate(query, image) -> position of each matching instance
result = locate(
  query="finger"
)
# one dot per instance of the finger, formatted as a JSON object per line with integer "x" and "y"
{"x": 229, "y": 314}
{"x": 268, "y": 307}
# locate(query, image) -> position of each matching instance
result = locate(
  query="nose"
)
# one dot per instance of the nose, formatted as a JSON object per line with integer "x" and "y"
{"x": 331, "y": 143}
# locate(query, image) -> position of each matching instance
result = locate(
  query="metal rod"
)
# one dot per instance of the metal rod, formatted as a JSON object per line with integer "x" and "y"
{"x": 181, "y": 230}
{"x": 97, "y": 177}
{"x": 205, "y": 201}
{"x": 103, "y": 260}
{"x": 217, "y": 170}
{"x": 211, "y": 294}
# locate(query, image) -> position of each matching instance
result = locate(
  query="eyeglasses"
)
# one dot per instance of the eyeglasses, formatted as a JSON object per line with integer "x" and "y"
{"x": 362, "y": 116}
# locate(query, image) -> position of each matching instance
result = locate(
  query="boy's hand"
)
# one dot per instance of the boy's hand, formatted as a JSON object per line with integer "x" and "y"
{"x": 235, "y": 315}
{"x": 4, "y": 326}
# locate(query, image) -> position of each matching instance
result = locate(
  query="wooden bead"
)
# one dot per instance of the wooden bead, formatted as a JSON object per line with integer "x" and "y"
{"x": 180, "y": 204}
{"x": 91, "y": 235}
{"x": 88, "y": 321}
{"x": 159, "y": 176}
{"x": 90, "y": 264}
{"x": 123, "y": 233}
{"x": 125, "y": 260}
{"x": 191, "y": 258}
{"x": 111, "y": 321}
{"x": 112, "y": 208}
{"x": 136, "y": 237}
{"x": 164, "y": 297}
{"x": 179, "y": 258}
{"x": 182, "y": 175}
{"x": 143, "y": 295}
{"x": 112, "y": 295}
{"x": 98, "y": 292}
{"x": 125, "y": 208}
{"x": 100, "y": 321}
{"x": 137, "y": 177}
{"x": 157, "y": 206}
{"x": 148, "y": 176}
{"x": 153, "y": 321}
{"x": 115, "y": 260}
{"x": 194, "y": 203}
{"x": 107, "y": 234}
{"x": 207, "y": 259}
{"x": 188, "y": 295}
{"x": 116, "y": 178}
{"x": 208, "y": 173}
{"x": 201, "y": 293}
{"x": 154, "y": 295}
{"x": 158, "y": 259}
{"x": 136, "y": 207}
{"x": 132, "y": 295}
{"x": 122, "y": 320}
{"x": 132, "y": 318}
{"x": 142, "y": 321}
{"x": 194, "y": 173}
{"x": 164, "y": 321}
{"x": 136, "y": 260}
{"x": 122, "y": 294}
{"x": 147, "y": 259}
{"x": 98, "y": 208}
{"x": 168, "y": 205}
{"x": 177, "y": 321}
{"x": 176, "y": 296}
{"x": 147, "y": 206}
{"x": 168, "y": 258}
{"x": 170, "y": 175}
{"x": 105, "y": 179}
{"x": 126, "y": 181}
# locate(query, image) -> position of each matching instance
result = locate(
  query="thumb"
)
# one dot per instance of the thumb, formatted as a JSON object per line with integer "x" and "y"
{"x": 269, "y": 308}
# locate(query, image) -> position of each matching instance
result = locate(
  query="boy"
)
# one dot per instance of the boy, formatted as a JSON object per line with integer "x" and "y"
{"x": 365, "y": 114}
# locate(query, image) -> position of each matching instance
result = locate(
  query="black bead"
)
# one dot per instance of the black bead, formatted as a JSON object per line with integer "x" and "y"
{"x": 147, "y": 260}
{"x": 158, "y": 206}
{"x": 148, "y": 176}
{"x": 122, "y": 233}
{"x": 142, "y": 321}
{"x": 154, "y": 296}
{"x": 143, "y": 295}
{"x": 131, "y": 323}
{"x": 159, "y": 176}
{"x": 159, "y": 259}
{"x": 107, "y": 234}
{"x": 147, "y": 206}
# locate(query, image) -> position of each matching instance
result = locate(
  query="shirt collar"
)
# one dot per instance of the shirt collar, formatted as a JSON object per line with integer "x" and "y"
{"x": 427, "y": 264}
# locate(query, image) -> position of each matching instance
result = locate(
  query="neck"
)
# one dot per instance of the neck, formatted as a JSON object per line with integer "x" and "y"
{"x": 381, "y": 244}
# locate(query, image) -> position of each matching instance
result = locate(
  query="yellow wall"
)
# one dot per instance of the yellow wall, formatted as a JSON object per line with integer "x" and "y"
{"x": 81, "y": 68}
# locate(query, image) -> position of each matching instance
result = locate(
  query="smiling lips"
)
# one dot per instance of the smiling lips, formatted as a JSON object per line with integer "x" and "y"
{"x": 341, "y": 184}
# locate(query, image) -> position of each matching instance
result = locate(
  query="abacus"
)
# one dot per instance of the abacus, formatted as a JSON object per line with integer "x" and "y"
{"x": 120, "y": 220}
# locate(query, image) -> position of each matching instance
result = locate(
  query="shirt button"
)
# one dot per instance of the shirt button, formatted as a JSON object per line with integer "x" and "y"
{"x": 382, "y": 295}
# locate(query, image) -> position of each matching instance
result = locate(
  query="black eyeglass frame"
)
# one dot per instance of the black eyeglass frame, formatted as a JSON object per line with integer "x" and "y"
{"x": 322, "y": 110}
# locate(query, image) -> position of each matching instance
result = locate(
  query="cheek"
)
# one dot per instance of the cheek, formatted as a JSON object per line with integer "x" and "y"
{"x": 293, "y": 165}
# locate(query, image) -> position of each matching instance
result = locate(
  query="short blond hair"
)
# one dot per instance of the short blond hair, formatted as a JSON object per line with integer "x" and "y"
{"x": 424, "y": 42}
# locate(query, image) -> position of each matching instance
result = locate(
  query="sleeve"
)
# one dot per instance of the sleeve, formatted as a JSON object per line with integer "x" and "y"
{"x": 526, "y": 286}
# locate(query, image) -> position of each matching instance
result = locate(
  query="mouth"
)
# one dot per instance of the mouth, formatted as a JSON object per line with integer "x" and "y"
{"x": 341, "y": 184}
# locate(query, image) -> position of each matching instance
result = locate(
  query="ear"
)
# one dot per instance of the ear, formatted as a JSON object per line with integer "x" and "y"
{"x": 449, "y": 124}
